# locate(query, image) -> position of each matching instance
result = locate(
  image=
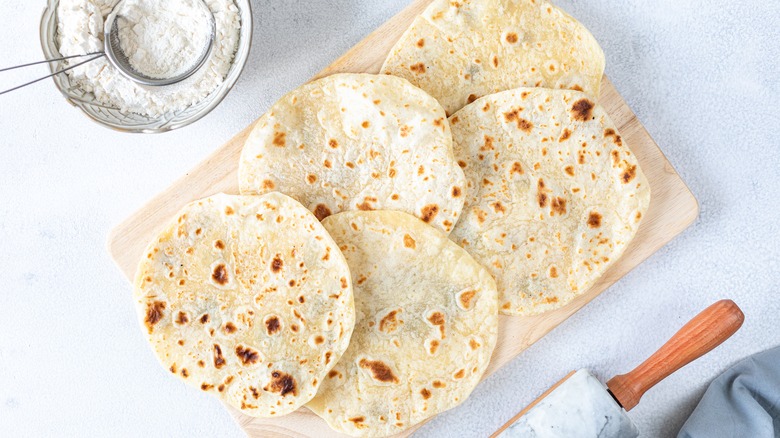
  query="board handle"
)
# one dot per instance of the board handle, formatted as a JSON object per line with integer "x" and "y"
{"x": 703, "y": 333}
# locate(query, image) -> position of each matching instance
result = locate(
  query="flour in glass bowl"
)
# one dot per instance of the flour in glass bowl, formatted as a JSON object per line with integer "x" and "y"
{"x": 80, "y": 31}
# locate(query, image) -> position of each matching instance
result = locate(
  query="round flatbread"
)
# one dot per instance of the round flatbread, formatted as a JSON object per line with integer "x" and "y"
{"x": 461, "y": 51}
{"x": 247, "y": 298}
{"x": 554, "y": 195}
{"x": 427, "y": 321}
{"x": 357, "y": 142}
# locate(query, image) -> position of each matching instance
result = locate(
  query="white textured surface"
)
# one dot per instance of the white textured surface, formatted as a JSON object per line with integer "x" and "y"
{"x": 703, "y": 76}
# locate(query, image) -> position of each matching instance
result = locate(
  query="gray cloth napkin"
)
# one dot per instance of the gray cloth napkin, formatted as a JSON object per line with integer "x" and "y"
{"x": 743, "y": 402}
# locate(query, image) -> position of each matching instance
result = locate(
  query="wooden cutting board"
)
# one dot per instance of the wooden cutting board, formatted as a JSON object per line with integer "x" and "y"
{"x": 672, "y": 210}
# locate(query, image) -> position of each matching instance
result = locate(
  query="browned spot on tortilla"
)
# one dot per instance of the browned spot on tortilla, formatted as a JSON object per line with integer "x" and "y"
{"x": 219, "y": 244}
{"x": 184, "y": 373}
{"x": 220, "y": 274}
{"x": 594, "y": 220}
{"x": 322, "y": 211}
{"x": 499, "y": 207}
{"x": 154, "y": 313}
{"x": 295, "y": 328}
{"x": 344, "y": 283}
{"x": 272, "y": 325}
{"x": 460, "y": 374}
{"x": 364, "y": 206}
{"x": 405, "y": 130}
{"x": 558, "y": 206}
{"x": 421, "y": 43}
{"x": 615, "y": 157}
{"x": 201, "y": 364}
{"x": 219, "y": 359}
{"x": 391, "y": 173}
{"x": 467, "y": 298}
{"x": 565, "y": 136}
{"x": 434, "y": 346}
{"x": 569, "y": 170}
{"x": 439, "y": 384}
{"x": 425, "y": 393}
{"x": 551, "y": 300}
{"x": 418, "y": 68}
{"x": 280, "y": 139}
{"x": 229, "y": 328}
{"x": 473, "y": 344}
{"x": 472, "y": 98}
{"x": 379, "y": 370}
{"x": 481, "y": 215}
{"x": 429, "y": 212}
{"x": 173, "y": 368}
{"x": 495, "y": 61}
{"x": 541, "y": 196}
{"x": 522, "y": 124}
{"x": 486, "y": 108}
{"x": 328, "y": 354}
{"x": 327, "y": 164}
{"x": 389, "y": 323}
{"x": 638, "y": 216}
{"x": 204, "y": 319}
{"x": 182, "y": 318}
{"x": 206, "y": 387}
{"x": 247, "y": 355}
{"x": 358, "y": 421}
{"x": 350, "y": 164}
{"x": 333, "y": 143}
{"x": 366, "y": 124}
{"x": 292, "y": 283}
{"x": 439, "y": 123}
{"x": 409, "y": 242}
{"x": 437, "y": 319}
{"x": 582, "y": 110}
{"x": 462, "y": 164}
{"x": 628, "y": 174}
{"x": 311, "y": 179}
{"x": 333, "y": 373}
{"x": 516, "y": 168}
{"x": 511, "y": 38}
{"x": 277, "y": 264}
{"x": 553, "y": 272}
{"x": 319, "y": 340}
{"x": 456, "y": 192}
{"x": 282, "y": 384}
{"x": 488, "y": 146}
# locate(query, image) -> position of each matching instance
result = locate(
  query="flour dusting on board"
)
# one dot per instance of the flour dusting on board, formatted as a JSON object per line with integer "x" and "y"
{"x": 159, "y": 41}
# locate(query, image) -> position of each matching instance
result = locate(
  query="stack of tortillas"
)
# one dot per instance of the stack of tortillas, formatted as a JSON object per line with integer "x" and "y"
{"x": 376, "y": 240}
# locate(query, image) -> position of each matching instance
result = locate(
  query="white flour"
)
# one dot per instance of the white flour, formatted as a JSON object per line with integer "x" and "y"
{"x": 161, "y": 41}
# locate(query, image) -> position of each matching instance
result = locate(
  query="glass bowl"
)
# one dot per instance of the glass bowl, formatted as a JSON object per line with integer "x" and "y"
{"x": 137, "y": 123}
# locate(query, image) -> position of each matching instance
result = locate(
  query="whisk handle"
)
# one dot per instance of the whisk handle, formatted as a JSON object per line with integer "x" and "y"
{"x": 94, "y": 56}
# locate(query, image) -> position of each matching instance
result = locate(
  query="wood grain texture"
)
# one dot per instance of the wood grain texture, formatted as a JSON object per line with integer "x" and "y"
{"x": 672, "y": 210}
{"x": 703, "y": 333}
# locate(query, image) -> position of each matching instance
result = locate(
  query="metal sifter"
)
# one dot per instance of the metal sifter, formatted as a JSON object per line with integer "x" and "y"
{"x": 112, "y": 50}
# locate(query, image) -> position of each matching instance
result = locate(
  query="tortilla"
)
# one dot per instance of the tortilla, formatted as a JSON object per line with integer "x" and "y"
{"x": 427, "y": 321}
{"x": 554, "y": 194}
{"x": 248, "y": 299}
{"x": 357, "y": 142}
{"x": 461, "y": 51}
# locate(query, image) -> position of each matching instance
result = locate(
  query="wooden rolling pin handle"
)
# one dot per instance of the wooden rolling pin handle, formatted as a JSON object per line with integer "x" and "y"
{"x": 702, "y": 334}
